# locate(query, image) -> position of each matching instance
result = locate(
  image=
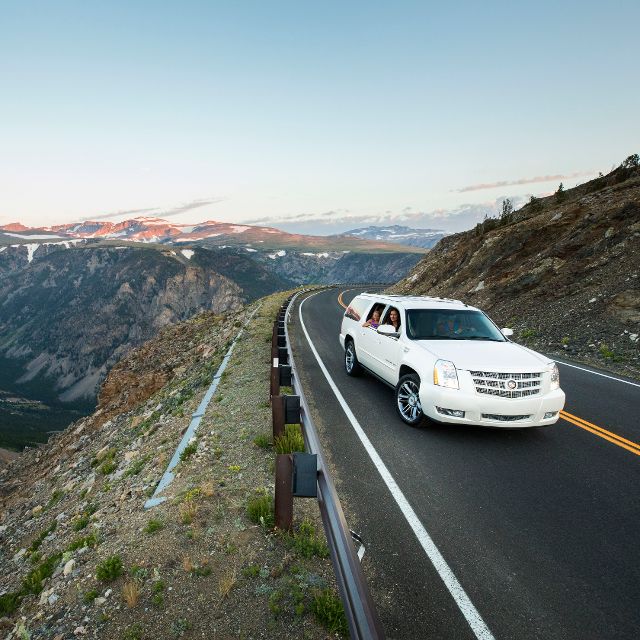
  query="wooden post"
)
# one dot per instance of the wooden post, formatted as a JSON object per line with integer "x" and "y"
{"x": 284, "y": 493}
{"x": 277, "y": 411}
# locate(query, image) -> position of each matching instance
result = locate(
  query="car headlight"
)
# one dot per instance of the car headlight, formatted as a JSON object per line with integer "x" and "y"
{"x": 445, "y": 374}
{"x": 555, "y": 377}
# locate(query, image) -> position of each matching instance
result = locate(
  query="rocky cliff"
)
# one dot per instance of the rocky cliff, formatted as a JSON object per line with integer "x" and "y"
{"x": 69, "y": 315}
{"x": 563, "y": 271}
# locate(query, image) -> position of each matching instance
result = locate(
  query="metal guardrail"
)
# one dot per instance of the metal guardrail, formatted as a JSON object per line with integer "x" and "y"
{"x": 360, "y": 611}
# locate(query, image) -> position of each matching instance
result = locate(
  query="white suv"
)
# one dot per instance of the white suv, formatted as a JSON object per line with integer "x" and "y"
{"x": 449, "y": 362}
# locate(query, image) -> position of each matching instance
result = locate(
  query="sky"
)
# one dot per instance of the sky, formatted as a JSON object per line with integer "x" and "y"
{"x": 313, "y": 117}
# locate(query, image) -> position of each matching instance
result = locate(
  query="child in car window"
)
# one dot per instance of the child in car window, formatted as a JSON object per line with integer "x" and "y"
{"x": 374, "y": 320}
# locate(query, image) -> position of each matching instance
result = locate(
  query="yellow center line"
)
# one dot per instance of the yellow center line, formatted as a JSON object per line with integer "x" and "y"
{"x": 614, "y": 438}
{"x": 340, "y": 302}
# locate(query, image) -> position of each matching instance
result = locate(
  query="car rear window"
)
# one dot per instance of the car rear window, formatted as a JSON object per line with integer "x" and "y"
{"x": 357, "y": 308}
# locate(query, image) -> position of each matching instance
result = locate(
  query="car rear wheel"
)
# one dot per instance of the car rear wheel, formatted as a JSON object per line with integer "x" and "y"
{"x": 408, "y": 400}
{"x": 351, "y": 364}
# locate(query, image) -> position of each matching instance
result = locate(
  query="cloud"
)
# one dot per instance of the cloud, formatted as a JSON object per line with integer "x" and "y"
{"x": 536, "y": 179}
{"x": 158, "y": 212}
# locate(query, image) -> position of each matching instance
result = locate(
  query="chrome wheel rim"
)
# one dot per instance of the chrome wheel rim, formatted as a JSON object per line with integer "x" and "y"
{"x": 349, "y": 357}
{"x": 408, "y": 400}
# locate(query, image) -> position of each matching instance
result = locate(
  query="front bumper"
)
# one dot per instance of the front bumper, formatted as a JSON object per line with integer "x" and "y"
{"x": 477, "y": 407}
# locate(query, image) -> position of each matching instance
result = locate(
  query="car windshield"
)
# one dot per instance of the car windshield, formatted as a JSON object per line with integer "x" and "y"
{"x": 444, "y": 324}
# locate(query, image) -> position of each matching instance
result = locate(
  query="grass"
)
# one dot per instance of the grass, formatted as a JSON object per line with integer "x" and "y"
{"x": 81, "y": 522}
{"x": 35, "y": 545}
{"x": 90, "y": 596}
{"x": 226, "y": 583}
{"x": 32, "y": 583}
{"x": 153, "y": 525}
{"x": 307, "y": 544}
{"x": 131, "y": 593}
{"x": 291, "y": 440}
{"x": 526, "y": 334}
{"x": 188, "y": 511}
{"x": 260, "y": 509}
{"x": 188, "y": 451}
{"x": 84, "y": 541}
{"x": 110, "y": 569}
{"x": 262, "y": 440}
{"x": 329, "y": 612}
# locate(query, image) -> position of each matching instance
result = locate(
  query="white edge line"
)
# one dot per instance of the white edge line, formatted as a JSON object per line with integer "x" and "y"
{"x": 596, "y": 373}
{"x": 460, "y": 596}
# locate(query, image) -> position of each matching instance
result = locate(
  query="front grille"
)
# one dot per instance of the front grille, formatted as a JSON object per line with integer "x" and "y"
{"x": 492, "y": 383}
{"x": 500, "y": 418}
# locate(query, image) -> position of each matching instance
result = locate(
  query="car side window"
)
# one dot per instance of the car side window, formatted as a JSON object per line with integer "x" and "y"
{"x": 356, "y": 309}
{"x": 374, "y": 316}
{"x": 393, "y": 317}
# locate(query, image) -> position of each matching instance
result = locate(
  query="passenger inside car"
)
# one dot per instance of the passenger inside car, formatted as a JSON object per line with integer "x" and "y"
{"x": 392, "y": 317}
{"x": 374, "y": 319}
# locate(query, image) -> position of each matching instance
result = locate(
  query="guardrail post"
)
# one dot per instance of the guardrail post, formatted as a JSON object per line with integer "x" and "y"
{"x": 284, "y": 493}
{"x": 275, "y": 378}
{"x": 277, "y": 412}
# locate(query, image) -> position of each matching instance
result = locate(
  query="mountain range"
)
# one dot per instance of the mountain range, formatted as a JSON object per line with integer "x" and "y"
{"x": 398, "y": 234}
{"x": 75, "y": 298}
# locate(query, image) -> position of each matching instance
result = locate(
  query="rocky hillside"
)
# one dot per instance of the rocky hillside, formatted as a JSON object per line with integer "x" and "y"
{"x": 82, "y": 558}
{"x": 563, "y": 271}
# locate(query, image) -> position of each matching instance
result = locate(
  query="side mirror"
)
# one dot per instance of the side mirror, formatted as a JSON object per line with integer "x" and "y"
{"x": 388, "y": 330}
{"x": 507, "y": 333}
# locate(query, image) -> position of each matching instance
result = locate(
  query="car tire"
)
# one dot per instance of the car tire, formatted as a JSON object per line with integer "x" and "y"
{"x": 351, "y": 364}
{"x": 408, "y": 400}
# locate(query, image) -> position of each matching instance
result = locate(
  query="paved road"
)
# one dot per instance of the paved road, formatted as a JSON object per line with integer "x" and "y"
{"x": 541, "y": 528}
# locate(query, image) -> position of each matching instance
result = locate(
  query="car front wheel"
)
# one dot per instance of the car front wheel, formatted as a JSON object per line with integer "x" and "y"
{"x": 351, "y": 364}
{"x": 408, "y": 400}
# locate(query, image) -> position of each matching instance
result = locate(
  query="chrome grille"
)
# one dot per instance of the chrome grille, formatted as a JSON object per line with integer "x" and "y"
{"x": 507, "y": 385}
{"x": 500, "y": 418}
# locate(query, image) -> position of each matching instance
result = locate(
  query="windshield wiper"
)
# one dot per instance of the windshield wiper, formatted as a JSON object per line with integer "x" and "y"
{"x": 484, "y": 338}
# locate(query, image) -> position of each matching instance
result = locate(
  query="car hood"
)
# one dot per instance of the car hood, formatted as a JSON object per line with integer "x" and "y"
{"x": 476, "y": 355}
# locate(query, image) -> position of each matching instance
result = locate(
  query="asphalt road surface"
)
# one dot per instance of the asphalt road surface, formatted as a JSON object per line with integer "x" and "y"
{"x": 536, "y": 532}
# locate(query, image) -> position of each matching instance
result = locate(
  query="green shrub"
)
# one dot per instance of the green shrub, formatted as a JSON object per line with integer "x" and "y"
{"x": 307, "y": 543}
{"x": 606, "y": 352}
{"x": 153, "y": 525}
{"x": 9, "y": 602}
{"x": 108, "y": 467}
{"x": 35, "y": 545}
{"x": 84, "y": 541}
{"x": 262, "y": 440}
{"x": 56, "y": 496}
{"x": 81, "y": 522}
{"x": 133, "y": 632}
{"x": 188, "y": 451}
{"x": 291, "y": 440}
{"x": 329, "y": 612}
{"x": 90, "y": 596}
{"x": 109, "y": 569}
{"x": 33, "y": 581}
{"x": 260, "y": 509}
{"x": 526, "y": 334}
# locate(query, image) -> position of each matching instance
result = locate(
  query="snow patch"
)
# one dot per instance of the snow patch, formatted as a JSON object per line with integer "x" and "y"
{"x": 2, "y": 249}
{"x": 187, "y": 253}
{"x": 251, "y": 250}
{"x": 238, "y": 228}
{"x": 31, "y": 249}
